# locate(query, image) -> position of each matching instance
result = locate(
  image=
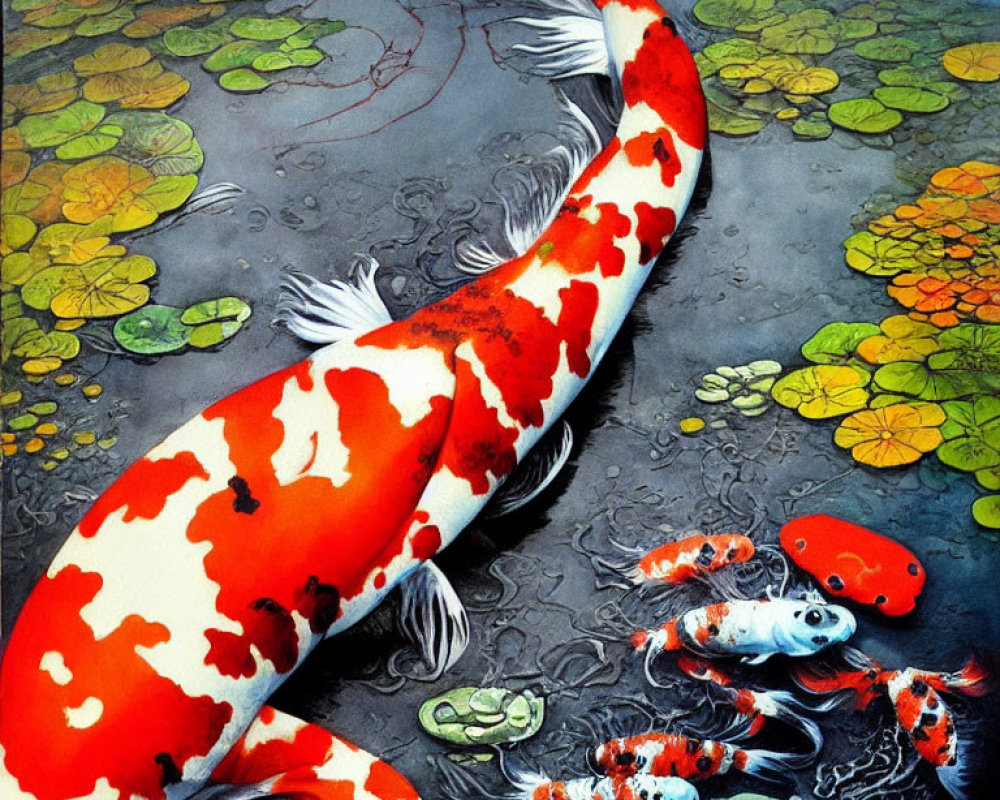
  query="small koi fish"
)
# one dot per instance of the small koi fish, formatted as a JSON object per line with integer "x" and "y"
{"x": 692, "y": 557}
{"x": 754, "y": 708}
{"x": 685, "y": 757}
{"x": 637, "y": 787}
{"x": 755, "y": 629}
{"x": 914, "y": 694}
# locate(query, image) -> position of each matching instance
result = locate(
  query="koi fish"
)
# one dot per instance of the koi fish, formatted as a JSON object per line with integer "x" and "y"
{"x": 856, "y": 563}
{"x": 637, "y": 787}
{"x": 688, "y": 758}
{"x": 693, "y": 557}
{"x": 914, "y": 694}
{"x": 284, "y": 513}
{"x": 755, "y": 629}
{"x": 754, "y": 708}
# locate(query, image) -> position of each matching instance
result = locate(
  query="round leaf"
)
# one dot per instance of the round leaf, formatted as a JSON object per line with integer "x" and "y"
{"x": 243, "y": 80}
{"x": 979, "y": 61}
{"x": 160, "y": 143}
{"x": 864, "y": 115}
{"x": 835, "y": 343}
{"x": 265, "y": 29}
{"x": 234, "y": 54}
{"x": 212, "y": 333}
{"x": 907, "y": 98}
{"x": 56, "y": 127}
{"x": 887, "y": 48}
{"x": 222, "y": 308}
{"x": 152, "y": 330}
{"x": 986, "y": 511}
{"x": 184, "y": 41}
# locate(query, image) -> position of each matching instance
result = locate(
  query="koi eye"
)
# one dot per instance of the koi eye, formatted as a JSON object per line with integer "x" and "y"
{"x": 643, "y": 795}
{"x": 658, "y": 796}
{"x": 731, "y": 555}
{"x": 625, "y": 759}
{"x": 813, "y": 617}
{"x": 703, "y": 764}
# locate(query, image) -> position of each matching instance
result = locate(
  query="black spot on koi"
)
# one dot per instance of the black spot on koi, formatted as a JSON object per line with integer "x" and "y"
{"x": 170, "y": 772}
{"x": 244, "y": 503}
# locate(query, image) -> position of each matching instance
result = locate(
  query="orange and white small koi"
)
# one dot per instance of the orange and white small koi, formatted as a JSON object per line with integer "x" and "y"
{"x": 754, "y": 708}
{"x": 685, "y": 757}
{"x": 754, "y": 629}
{"x": 692, "y": 557}
{"x": 914, "y": 694}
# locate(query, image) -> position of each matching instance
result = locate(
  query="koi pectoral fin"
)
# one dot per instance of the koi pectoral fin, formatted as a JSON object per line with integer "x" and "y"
{"x": 434, "y": 618}
{"x": 280, "y": 755}
{"x": 533, "y": 475}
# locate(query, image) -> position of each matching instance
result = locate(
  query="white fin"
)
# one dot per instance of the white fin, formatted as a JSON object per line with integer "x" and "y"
{"x": 955, "y": 778}
{"x": 328, "y": 312}
{"x": 567, "y": 41}
{"x": 756, "y": 661}
{"x": 533, "y": 474}
{"x": 434, "y": 618}
{"x": 532, "y": 197}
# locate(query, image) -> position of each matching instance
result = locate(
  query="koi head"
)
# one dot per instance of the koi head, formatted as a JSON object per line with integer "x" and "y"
{"x": 654, "y": 787}
{"x": 738, "y": 548}
{"x": 804, "y": 627}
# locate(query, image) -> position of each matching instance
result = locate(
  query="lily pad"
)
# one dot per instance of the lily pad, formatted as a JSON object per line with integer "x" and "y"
{"x": 972, "y": 434}
{"x": 234, "y": 54}
{"x": 835, "y": 343}
{"x": 152, "y": 330}
{"x": 909, "y": 98}
{"x": 155, "y": 21}
{"x": 222, "y": 308}
{"x": 16, "y": 230}
{"x": 865, "y": 115}
{"x": 98, "y": 141}
{"x": 106, "y": 23}
{"x": 160, "y": 143}
{"x": 888, "y": 48}
{"x": 21, "y": 42}
{"x": 313, "y": 31}
{"x": 111, "y": 58}
{"x": 812, "y": 128}
{"x": 823, "y": 391}
{"x": 805, "y": 32}
{"x": 103, "y": 288}
{"x": 479, "y": 716}
{"x": 880, "y": 256}
{"x": 986, "y": 511}
{"x": 808, "y": 81}
{"x": 916, "y": 380}
{"x": 185, "y": 41}
{"x": 732, "y": 13}
{"x": 979, "y": 61}
{"x": 733, "y": 51}
{"x": 265, "y": 29}
{"x": 213, "y": 333}
{"x": 56, "y": 127}
{"x": 273, "y": 61}
{"x": 243, "y": 80}
{"x": 899, "y": 338}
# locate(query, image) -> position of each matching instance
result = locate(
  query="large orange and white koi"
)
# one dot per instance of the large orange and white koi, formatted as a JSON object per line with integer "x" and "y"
{"x": 142, "y": 662}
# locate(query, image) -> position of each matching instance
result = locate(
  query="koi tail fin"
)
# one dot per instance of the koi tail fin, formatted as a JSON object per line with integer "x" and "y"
{"x": 769, "y": 765}
{"x": 323, "y": 313}
{"x": 786, "y": 708}
{"x": 861, "y": 680}
{"x": 972, "y": 680}
{"x": 568, "y": 40}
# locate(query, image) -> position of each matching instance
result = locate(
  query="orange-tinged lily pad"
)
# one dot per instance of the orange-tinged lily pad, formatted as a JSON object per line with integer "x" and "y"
{"x": 971, "y": 180}
{"x": 111, "y": 58}
{"x": 892, "y": 436}
{"x": 979, "y": 61}
{"x": 14, "y": 167}
{"x": 103, "y": 288}
{"x": 38, "y": 196}
{"x": 130, "y": 194}
{"x": 902, "y": 339}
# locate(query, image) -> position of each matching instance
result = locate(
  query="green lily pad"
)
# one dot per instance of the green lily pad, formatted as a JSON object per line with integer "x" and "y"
{"x": 865, "y": 115}
{"x": 243, "y": 80}
{"x": 731, "y": 13}
{"x": 221, "y": 308}
{"x": 272, "y": 62}
{"x": 44, "y": 408}
{"x": 812, "y": 128}
{"x": 106, "y": 23}
{"x": 212, "y": 333}
{"x": 152, "y": 330}
{"x": 972, "y": 434}
{"x": 916, "y": 380}
{"x": 733, "y": 51}
{"x": 805, "y": 32}
{"x": 16, "y": 230}
{"x": 478, "y": 716}
{"x": 56, "y": 127}
{"x": 265, "y": 29}
{"x": 847, "y": 28}
{"x": 835, "y": 343}
{"x": 28, "y": 40}
{"x": 313, "y": 31}
{"x": 910, "y": 98}
{"x": 307, "y": 57}
{"x": 186, "y": 41}
{"x": 725, "y": 115}
{"x": 880, "y": 256}
{"x": 100, "y": 140}
{"x": 986, "y": 511}
{"x": 162, "y": 144}
{"x": 234, "y": 54}
{"x": 888, "y": 48}
{"x": 22, "y": 422}
{"x": 968, "y": 347}
{"x": 989, "y": 478}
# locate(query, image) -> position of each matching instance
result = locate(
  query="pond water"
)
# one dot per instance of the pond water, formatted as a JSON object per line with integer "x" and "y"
{"x": 391, "y": 145}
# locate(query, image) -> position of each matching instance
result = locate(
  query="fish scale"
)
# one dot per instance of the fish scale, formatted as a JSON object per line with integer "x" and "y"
{"x": 287, "y": 511}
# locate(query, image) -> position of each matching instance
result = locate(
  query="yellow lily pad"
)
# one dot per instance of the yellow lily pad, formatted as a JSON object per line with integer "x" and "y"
{"x": 103, "y": 288}
{"x": 823, "y": 391}
{"x": 16, "y": 230}
{"x": 979, "y": 61}
{"x": 111, "y": 58}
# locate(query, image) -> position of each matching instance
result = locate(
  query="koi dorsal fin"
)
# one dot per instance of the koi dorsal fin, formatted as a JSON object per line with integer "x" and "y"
{"x": 533, "y": 475}
{"x": 531, "y": 196}
{"x": 323, "y": 313}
